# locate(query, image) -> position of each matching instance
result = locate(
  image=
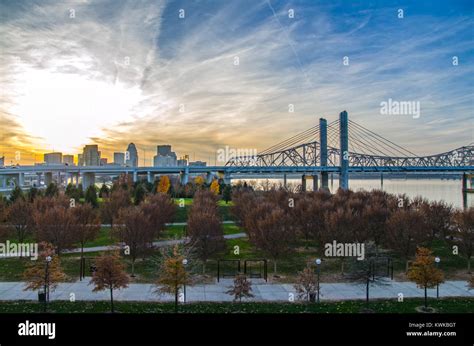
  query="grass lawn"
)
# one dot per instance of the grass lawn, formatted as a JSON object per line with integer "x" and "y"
{"x": 448, "y": 305}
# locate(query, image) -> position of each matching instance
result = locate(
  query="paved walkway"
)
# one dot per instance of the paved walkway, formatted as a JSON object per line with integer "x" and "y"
{"x": 216, "y": 292}
{"x": 157, "y": 244}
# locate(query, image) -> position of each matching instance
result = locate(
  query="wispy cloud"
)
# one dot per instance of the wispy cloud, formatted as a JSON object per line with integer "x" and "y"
{"x": 175, "y": 80}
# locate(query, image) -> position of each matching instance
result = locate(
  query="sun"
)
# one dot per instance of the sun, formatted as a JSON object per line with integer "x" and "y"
{"x": 66, "y": 109}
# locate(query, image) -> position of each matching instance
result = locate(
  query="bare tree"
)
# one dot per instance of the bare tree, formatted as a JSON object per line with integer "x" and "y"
{"x": 463, "y": 233}
{"x": 242, "y": 288}
{"x": 85, "y": 224}
{"x": 110, "y": 274}
{"x": 20, "y": 216}
{"x": 306, "y": 283}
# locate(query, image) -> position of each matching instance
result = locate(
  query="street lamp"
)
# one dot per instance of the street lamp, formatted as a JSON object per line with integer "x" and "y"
{"x": 185, "y": 262}
{"x": 318, "y": 263}
{"x": 437, "y": 260}
{"x": 46, "y": 282}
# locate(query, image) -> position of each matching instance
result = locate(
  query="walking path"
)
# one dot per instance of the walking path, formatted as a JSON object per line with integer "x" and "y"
{"x": 157, "y": 244}
{"x": 216, "y": 292}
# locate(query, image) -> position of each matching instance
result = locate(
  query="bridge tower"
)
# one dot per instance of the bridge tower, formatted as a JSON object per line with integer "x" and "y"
{"x": 344, "y": 146}
{"x": 323, "y": 151}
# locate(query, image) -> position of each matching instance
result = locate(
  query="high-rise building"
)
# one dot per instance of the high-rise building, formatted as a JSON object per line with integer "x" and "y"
{"x": 69, "y": 159}
{"x": 2, "y": 161}
{"x": 164, "y": 157}
{"x": 91, "y": 155}
{"x": 103, "y": 161}
{"x": 53, "y": 158}
{"x": 131, "y": 156}
{"x": 119, "y": 159}
{"x": 80, "y": 160}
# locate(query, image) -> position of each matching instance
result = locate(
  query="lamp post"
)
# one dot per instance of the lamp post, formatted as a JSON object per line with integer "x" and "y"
{"x": 318, "y": 263}
{"x": 185, "y": 262}
{"x": 437, "y": 260}
{"x": 46, "y": 282}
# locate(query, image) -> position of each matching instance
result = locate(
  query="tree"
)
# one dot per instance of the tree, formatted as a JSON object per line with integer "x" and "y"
{"x": 406, "y": 229}
{"x": 139, "y": 194}
{"x": 214, "y": 187}
{"x": 36, "y": 275}
{"x": 91, "y": 196}
{"x": 33, "y": 193}
{"x": 463, "y": 233}
{"x": 164, "y": 184}
{"x": 206, "y": 233}
{"x": 160, "y": 210}
{"x": 364, "y": 271}
{"x": 173, "y": 275}
{"x": 110, "y": 274}
{"x": 199, "y": 180}
{"x": 16, "y": 193}
{"x": 20, "y": 216}
{"x": 271, "y": 230}
{"x": 104, "y": 191}
{"x": 306, "y": 283}
{"x": 51, "y": 190}
{"x": 85, "y": 224}
{"x": 242, "y": 287}
{"x": 423, "y": 271}
{"x": 134, "y": 230}
{"x": 227, "y": 193}
{"x": 54, "y": 225}
{"x": 118, "y": 199}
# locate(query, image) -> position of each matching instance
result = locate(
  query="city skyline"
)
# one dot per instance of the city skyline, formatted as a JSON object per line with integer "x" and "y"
{"x": 86, "y": 72}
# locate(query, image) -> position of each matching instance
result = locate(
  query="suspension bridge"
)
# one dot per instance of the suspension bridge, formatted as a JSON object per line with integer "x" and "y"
{"x": 343, "y": 146}
{"x": 340, "y": 147}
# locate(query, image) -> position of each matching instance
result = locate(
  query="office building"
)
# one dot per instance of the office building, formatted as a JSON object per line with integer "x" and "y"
{"x": 119, "y": 159}
{"x": 53, "y": 158}
{"x": 164, "y": 157}
{"x": 131, "y": 156}
{"x": 91, "y": 155}
{"x": 68, "y": 159}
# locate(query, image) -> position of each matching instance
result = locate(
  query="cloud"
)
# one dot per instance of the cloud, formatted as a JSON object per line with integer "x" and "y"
{"x": 179, "y": 82}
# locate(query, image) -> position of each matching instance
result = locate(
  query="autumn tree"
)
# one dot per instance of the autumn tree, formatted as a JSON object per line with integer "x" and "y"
{"x": 164, "y": 184}
{"x": 110, "y": 274}
{"x": 406, "y": 229}
{"x": 20, "y": 217}
{"x": 463, "y": 233}
{"x": 159, "y": 209}
{"x": 423, "y": 271}
{"x": 16, "y": 193}
{"x": 306, "y": 284}
{"x": 51, "y": 190}
{"x": 242, "y": 288}
{"x": 36, "y": 275}
{"x": 271, "y": 231}
{"x": 133, "y": 230}
{"x": 104, "y": 191}
{"x": 85, "y": 224}
{"x": 118, "y": 199}
{"x": 54, "y": 225}
{"x": 199, "y": 180}
{"x": 173, "y": 275}
{"x": 214, "y": 188}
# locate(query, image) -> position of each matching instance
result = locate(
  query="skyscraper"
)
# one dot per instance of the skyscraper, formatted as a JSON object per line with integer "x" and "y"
{"x": 91, "y": 155}
{"x": 69, "y": 159}
{"x": 119, "y": 159}
{"x": 164, "y": 157}
{"x": 53, "y": 158}
{"x": 131, "y": 156}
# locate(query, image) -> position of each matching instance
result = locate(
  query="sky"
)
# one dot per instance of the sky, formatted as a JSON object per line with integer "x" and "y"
{"x": 203, "y": 75}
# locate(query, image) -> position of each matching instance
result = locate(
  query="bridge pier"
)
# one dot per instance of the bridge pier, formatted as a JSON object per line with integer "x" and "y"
{"x": 381, "y": 181}
{"x": 284, "y": 181}
{"x": 150, "y": 177}
{"x": 3, "y": 180}
{"x": 315, "y": 182}
{"x": 344, "y": 145}
{"x": 48, "y": 178}
{"x": 303, "y": 183}
{"x": 227, "y": 179}
{"x": 323, "y": 140}
{"x": 464, "y": 190}
{"x": 184, "y": 176}
{"x": 88, "y": 179}
{"x": 135, "y": 176}
{"x": 209, "y": 178}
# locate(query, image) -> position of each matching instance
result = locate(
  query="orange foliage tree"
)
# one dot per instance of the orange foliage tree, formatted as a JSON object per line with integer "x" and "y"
{"x": 164, "y": 184}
